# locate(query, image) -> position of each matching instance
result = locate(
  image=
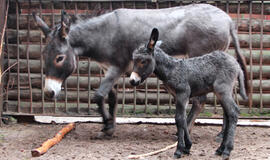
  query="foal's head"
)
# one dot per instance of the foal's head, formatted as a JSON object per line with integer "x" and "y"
{"x": 58, "y": 55}
{"x": 144, "y": 63}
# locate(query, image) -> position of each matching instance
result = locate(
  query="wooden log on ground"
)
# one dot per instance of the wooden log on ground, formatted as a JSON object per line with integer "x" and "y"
{"x": 51, "y": 142}
{"x": 95, "y": 82}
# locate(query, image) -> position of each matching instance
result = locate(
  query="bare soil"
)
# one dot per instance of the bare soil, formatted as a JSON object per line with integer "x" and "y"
{"x": 17, "y": 140}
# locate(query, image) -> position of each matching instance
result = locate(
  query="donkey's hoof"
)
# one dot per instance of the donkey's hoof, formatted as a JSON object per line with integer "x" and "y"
{"x": 218, "y": 152}
{"x": 225, "y": 156}
{"x": 100, "y": 135}
{"x": 177, "y": 154}
{"x": 108, "y": 132}
{"x": 186, "y": 151}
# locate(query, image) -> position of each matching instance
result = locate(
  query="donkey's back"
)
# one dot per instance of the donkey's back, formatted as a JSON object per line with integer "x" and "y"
{"x": 192, "y": 29}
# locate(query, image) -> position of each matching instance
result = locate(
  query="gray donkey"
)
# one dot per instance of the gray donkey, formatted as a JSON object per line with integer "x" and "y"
{"x": 184, "y": 78}
{"x": 111, "y": 38}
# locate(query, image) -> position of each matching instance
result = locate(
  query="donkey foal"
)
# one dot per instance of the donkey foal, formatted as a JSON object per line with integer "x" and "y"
{"x": 185, "y": 78}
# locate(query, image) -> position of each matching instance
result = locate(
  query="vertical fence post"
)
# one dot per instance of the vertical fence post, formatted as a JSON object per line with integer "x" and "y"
{"x": 78, "y": 71}
{"x": 237, "y": 26}
{"x": 89, "y": 74}
{"x": 18, "y": 58}
{"x": 65, "y": 83}
{"x": 250, "y": 54}
{"x": 261, "y": 56}
{"x": 3, "y": 21}
{"x": 134, "y": 88}
{"x": 41, "y": 62}
{"x": 27, "y": 56}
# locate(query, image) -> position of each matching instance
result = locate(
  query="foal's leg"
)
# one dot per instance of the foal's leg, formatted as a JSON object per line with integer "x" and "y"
{"x": 196, "y": 109}
{"x": 197, "y": 106}
{"x": 184, "y": 142}
{"x": 231, "y": 110}
{"x": 221, "y": 134}
{"x": 105, "y": 87}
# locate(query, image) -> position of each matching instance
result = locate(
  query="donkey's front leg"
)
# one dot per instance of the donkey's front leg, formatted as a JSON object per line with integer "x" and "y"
{"x": 184, "y": 142}
{"x": 105, "y": 87}
{"x": 112, "y": 101}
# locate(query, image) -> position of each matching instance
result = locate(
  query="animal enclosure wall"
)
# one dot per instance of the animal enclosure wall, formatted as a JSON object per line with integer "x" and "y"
{"x": 24, "y": 79}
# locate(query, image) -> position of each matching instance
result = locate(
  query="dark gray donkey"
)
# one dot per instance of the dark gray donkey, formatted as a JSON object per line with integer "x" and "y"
{"x": 185, "y": 78}
{"x": 111, "y": 38}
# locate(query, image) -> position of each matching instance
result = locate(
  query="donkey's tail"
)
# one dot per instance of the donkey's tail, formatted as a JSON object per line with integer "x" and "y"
{"x": 240, "y": 58}
{"x": 242, "y": 81}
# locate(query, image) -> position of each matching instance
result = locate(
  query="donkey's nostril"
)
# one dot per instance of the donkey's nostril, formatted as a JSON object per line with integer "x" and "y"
{"x": 133, "y": 82}
{"x": 49, "y": 94}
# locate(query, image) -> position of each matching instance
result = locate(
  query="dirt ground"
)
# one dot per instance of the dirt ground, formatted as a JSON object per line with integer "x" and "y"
{"x": 17, "y": 140}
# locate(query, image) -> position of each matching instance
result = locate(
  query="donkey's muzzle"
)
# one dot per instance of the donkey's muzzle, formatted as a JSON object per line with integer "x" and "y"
{"x": 134, "y": 79}
{"x": 134, "y": 83}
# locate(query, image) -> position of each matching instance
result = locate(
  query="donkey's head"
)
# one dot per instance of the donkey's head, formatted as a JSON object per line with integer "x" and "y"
{"x": 144, "y": 62}
{"x": 58, "y": 55}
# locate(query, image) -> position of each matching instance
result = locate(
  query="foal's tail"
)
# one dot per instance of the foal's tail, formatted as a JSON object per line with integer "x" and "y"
{"x": 242, "y": 80}
{"x": 240, "y": 58}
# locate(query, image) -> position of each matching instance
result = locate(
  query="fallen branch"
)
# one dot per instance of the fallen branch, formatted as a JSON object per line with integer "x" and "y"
{"x": 51, "y": 142}
{"x": 152, "y": 153}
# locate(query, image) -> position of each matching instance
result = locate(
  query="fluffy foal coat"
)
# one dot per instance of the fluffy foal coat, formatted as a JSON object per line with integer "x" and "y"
{"x": 185, "y": 78}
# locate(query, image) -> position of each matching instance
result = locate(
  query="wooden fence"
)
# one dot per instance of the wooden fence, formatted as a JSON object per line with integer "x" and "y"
{"x": 23, "y": 83}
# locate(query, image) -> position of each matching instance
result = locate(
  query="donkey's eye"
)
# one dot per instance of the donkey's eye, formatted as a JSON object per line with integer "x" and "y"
{"x": 59, "y": 59}
{"x": 143, "y": 62}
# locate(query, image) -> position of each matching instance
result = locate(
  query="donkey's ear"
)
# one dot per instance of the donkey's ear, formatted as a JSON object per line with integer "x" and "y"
{"x": 65, "y": 23}
{"x": 41, "y": 24}
{"x": 153, "y": 39}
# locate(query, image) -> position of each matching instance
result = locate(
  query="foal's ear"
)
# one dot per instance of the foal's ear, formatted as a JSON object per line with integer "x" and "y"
{"x": 41, "y": 24}
{"x": 65, "y": 23}
{"x": 153, "y": 39}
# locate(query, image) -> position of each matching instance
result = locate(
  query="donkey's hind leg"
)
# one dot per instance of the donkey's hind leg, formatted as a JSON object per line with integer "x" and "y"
{"x": 111, "y": 76}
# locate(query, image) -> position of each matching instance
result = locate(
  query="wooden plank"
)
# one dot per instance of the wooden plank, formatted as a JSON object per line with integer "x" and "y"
{"x": 83, "y": 69}
{"x": 125, "y": 120}
{"x": 95, "y": 81}
{"x": 129, "y": 95}
{"x": 243, "y": 20}
{"x": 34, "y": 53}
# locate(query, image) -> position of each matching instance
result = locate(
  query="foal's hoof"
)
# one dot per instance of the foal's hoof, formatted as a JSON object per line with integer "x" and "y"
{"x": 177, "y": 154}
{"x": 225, "y": 156}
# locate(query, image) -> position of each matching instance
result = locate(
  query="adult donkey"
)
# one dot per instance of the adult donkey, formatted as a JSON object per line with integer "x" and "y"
{"x": 111, "y": 38}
